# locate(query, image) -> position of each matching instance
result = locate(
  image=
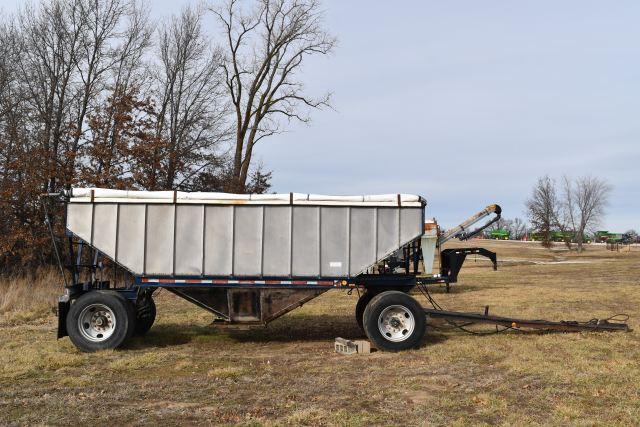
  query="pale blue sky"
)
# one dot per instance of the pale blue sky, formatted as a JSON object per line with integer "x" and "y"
{"x": 468, "y": 102}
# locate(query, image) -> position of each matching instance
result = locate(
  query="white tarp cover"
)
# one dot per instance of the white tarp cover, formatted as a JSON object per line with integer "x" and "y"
{"x": 124, "y": 196}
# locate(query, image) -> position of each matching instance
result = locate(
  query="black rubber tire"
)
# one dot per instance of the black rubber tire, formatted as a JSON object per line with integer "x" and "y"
{"x": 123, "y": 312}
{"x": 145, "y": 316}
{"x": 372, "y": 314}
{"x": 364, "y": 299}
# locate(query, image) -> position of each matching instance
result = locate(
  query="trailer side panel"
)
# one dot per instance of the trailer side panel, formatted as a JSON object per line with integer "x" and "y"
{"x": 244, "y": 240}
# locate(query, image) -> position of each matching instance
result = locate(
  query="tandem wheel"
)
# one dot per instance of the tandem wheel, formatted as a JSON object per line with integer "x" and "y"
{"x": 145, "y": 315}
{"x": 364, "y": 299}
{"x": 394, "y": 321}
{"x": 100, "y": 320}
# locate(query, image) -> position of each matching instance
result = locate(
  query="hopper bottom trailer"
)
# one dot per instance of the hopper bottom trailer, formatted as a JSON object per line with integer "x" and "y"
{"x": 254, "y": 258}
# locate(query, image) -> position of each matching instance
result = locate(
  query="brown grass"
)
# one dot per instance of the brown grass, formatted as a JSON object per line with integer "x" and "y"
{"x": 188, "y": 372}
{"x": 29, "y": 297}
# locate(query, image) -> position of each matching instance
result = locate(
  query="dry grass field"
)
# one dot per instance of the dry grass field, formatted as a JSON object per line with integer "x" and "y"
{"x": 188, "y": 372}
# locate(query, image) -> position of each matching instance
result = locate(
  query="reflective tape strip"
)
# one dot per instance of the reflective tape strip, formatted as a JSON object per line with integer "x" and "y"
{"x": 240, "y": 282}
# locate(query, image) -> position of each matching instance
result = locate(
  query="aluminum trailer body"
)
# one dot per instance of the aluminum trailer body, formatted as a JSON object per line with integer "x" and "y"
{"x": 189, "y": 235}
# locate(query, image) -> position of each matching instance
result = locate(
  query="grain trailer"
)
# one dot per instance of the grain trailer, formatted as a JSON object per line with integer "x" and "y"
{"x": 249, "y": 258}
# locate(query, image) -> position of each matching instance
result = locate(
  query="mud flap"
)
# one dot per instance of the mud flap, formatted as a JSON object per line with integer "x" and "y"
{"x": 63, "y": 310}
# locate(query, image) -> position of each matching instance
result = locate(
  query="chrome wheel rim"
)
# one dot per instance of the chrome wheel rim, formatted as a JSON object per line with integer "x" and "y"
{"x": 396, "y": 323}
{"x": 97, "y": 322}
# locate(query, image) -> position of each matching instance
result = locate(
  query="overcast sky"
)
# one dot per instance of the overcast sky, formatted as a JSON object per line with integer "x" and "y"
{"x": 468, "y": 102}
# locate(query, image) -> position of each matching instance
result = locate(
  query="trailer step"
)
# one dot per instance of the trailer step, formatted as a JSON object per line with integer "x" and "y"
{"x": 515, "y": 323}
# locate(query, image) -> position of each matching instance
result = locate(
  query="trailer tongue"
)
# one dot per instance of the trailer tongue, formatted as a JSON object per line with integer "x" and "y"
{"x": 253, "y": 258}
{"x": 515, "y": 323}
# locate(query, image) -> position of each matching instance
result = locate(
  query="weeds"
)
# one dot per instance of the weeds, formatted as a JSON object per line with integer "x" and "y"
{"x": 29, "y": 297}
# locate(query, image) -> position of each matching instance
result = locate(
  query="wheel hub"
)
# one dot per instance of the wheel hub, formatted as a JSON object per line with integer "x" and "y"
{"x": 97, "y": 322}
{"x": 396, "y": 323}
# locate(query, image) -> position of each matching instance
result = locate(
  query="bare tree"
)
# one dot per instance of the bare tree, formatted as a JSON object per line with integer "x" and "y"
{"x": 69, "y": 51}
{"x": 585, "y": 200}
{"x": 105, "y": 154}
{"x": 130, "y": 69}
{"x": 264, "y": 52}
{"x": 50, "y": 40}
{"x": 8, "y": 72}
{"x": 500, "y": 224}
{"x": 191, "y": 113}
{"x": 518, "y": 228}
{"x": 99, "y": 24}
{"x": 543, "y": 208}
{"x": 9, "y": 101}
{"x": 631, "y": 236}
{"x": 580, "y": 210}
{"x": 16, "y": 212}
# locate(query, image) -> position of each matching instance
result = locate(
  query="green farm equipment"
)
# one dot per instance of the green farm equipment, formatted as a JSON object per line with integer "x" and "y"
{"x": 499, "y": 234}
